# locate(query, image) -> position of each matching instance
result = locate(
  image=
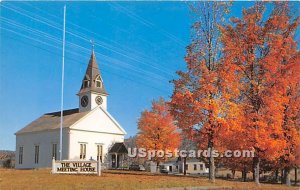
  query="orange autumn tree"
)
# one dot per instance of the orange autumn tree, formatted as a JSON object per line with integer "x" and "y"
{"x": 196, "y": 103}
{"x": 291, "y": 129}
{"x": 231, "y": 137}
{"x": 259, "y": 57}
{"x": 157, "y": 130}
{"x": 287, "y": 80}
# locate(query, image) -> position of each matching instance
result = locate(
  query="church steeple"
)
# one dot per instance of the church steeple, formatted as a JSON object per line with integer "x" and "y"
{"x": 92, "y": 87}
{"x": 92, "y": 80}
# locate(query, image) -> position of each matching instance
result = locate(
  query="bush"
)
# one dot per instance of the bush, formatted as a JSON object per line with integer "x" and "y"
{"x": 7, "y": 163}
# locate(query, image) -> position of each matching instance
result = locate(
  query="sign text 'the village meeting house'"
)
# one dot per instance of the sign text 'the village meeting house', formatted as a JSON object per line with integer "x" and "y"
{"x": 76, "y": 167}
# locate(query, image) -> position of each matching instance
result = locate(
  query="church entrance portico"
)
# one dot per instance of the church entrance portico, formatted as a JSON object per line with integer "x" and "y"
{"x": 117, "y": 154}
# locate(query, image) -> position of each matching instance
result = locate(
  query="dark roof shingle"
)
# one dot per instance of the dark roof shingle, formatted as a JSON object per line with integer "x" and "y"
{"x": 50, "y": 121}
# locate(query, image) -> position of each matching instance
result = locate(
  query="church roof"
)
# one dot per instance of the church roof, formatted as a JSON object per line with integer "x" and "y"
{"x": 118, "y": 148}
{"x": 92, "y": 72}
{"x": 50, "y": 121}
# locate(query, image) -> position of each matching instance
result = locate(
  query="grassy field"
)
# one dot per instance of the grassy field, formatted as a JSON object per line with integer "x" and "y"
{"x": 42, "y": 179}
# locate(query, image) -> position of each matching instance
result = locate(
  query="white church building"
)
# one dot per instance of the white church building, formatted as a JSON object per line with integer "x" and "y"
{"x": 88, "y": 131}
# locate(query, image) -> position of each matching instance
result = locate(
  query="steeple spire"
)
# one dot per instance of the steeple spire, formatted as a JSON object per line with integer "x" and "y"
{"x": 92, "y": 80}
{"x": 92, "y": 43}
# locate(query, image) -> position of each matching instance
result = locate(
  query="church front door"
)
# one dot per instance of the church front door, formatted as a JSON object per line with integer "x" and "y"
{"x": 115, "y": 158}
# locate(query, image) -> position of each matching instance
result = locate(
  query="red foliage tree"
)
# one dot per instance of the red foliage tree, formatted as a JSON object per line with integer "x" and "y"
{"x": 157, "y": 130}
{"x": 260, "y": 62}
{"x": 196, "y": 102}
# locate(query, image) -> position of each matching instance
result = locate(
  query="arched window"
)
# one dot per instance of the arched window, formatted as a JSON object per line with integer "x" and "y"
{"x": 86, "y": 82}
{"x": 98, "y": 82}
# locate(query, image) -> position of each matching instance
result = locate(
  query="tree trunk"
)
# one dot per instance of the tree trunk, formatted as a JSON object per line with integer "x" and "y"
{"x": 296, "y": 176}
{"x": 244, "y": 174}
{"x": 276, "y": 176}
{"x": 212, "y": 169}
{"x": 184, "y": 166}
{"x": 287, "y": 176}
{"x": 233, "y": 173}
{"x": 282, "y": 177}
{"x": 256, "y": 162}
{"x": 253, "y": 172}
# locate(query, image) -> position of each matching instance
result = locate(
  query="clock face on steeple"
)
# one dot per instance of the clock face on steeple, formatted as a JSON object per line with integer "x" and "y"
{"x": 84, "y": 101}
{"x": 99, "y": 100}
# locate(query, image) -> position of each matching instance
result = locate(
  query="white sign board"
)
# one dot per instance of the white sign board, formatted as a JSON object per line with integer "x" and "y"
{"x": 76, "y": 167}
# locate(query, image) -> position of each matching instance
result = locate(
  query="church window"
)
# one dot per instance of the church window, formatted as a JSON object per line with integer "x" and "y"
{"x": 82, "y": 151}
{"x": 86, "y": 83}
{"x": 54, "y": 151}
{"x": 99, "y": 152}
{"x": 21, "y": 155}
{"x": 36, "y": 154}
{"x": 98, "y": 82}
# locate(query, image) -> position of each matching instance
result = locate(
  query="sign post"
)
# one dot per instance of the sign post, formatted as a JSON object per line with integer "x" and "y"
{"x": 99, "y": 168}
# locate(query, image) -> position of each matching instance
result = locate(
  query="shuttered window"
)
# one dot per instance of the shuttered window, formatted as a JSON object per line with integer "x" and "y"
{"x": 82, "y": 151}
{"x": 36, "y": 154}
{"x": 54, "y": 151}
{"x": 21, "y": 155}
